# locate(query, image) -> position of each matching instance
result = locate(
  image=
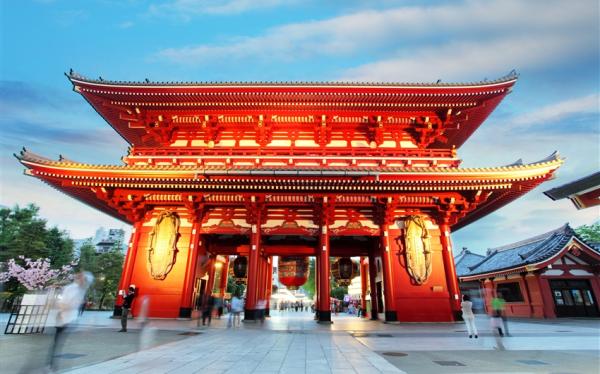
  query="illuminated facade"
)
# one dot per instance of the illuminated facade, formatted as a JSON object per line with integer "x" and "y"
{"x": 294, "y": 169}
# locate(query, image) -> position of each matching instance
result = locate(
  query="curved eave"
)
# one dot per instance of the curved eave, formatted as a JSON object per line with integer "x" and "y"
{"x": 510, "y": 173}
{"x": 475, "y": 100}
{"x": 505, "y": 183}
{"x": 87, "y": 197}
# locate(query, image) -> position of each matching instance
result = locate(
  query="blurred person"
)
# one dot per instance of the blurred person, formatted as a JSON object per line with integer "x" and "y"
{"x": 67, "y": 304}
{"x": 237, "y": 305}
{"x": 207, "y": 309}
{"x": 82, "y": 307}
{"x": 219, "y": 303}
{"x": 261, "y": 305}
{"x": 126, "y": 307}
{"x": 467, "y": 314}
{"x": 498, "y": 311}
{"x": 146, "y": 333}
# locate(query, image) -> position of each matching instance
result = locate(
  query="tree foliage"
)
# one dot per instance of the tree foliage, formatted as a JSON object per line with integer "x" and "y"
{"x": 106, "y": 268}
{"x": 24, "y": 235}
{"x": 589, "y": 233}
{"x": 235, "y": 289}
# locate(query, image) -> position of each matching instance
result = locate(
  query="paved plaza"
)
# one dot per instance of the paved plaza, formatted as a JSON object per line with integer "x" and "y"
{"x": 292, "y": 342}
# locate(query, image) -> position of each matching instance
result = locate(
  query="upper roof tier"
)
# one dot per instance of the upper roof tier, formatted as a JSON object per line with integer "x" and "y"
{"x": 440, "y": 115}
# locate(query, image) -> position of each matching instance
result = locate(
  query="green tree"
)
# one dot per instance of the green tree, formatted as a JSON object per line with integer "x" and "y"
{"x": 337, "y": 292}
{"x": 22, "y": 232}
{"x": 59, "y": 247}
{"x": 589, "y": 233}
{"x": 87, "y": 257}
{"x": 233, "y": 288}
{"x": 108, "y": 272}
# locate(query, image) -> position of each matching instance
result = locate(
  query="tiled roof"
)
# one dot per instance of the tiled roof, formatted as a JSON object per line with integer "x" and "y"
{"x": 464, "y": 260}
{"x": 525, "y": 252}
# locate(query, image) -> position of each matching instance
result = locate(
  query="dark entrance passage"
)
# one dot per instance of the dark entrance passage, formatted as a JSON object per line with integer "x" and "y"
{"x": 574, "y": 298}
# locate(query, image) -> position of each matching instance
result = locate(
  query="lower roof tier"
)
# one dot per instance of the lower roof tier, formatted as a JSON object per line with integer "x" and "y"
{"x": 457, "y": 196}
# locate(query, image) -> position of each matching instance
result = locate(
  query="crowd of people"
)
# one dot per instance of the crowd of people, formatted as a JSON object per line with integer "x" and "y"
{"x": 293, "y": 306}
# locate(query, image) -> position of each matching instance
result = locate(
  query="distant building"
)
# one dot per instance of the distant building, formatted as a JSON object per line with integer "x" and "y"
{"x": 103, "y": 241}
{"x": 112, "y": 238}
{"x": 555, "y": 274}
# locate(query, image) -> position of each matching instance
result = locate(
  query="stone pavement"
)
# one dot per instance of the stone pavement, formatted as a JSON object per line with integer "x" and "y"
{"x": 293, "y": 343}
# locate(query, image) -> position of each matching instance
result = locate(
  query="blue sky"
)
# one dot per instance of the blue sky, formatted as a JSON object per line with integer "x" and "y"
{"x": 554, "y": 45}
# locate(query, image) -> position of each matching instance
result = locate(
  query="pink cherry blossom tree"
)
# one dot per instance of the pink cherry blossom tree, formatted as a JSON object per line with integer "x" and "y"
{"x": 35, "y": 274}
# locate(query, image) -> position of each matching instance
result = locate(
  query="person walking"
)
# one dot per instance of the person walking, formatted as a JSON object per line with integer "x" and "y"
{"x": 237, "y": 305}
{"x": 261, "y": 305}
{"x": 68, "y": 303}
{"x": 467, "y": 314}
{"x": 126, "y": 307}
{"x": 207, "y": 310}
{"x": 498, "y": 306}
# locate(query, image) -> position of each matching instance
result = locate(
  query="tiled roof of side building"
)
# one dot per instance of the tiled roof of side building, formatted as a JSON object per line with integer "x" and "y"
{"x": 466, "y": 259}
{"x": 525, "y": 252}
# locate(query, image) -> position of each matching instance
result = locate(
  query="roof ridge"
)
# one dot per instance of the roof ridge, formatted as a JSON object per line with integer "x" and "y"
{"x": 490, "y": 255}
{"x": 72, "y": 75}
{"x": 529, "y": 240}
{"x": 541, "y": 245}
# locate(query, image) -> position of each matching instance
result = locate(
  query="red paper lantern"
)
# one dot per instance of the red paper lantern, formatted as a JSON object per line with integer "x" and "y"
{"x": 240, "y": 269}
{"x": 293, "y": 271}
{"x": 343, "y": 270}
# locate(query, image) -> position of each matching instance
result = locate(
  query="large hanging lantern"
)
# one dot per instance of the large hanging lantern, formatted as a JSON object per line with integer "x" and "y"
{"x": 293, "y": 271}
{"x": 344, "y": 270}
{"x": 240, "y": 269}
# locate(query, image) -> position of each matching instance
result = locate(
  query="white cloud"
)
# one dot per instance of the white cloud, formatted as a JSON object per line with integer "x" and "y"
{"x": 186, "y": 9}
{"x": 557, "y": 111}
{"x": 447, "y": 40}
{"x": 460, "y": 60}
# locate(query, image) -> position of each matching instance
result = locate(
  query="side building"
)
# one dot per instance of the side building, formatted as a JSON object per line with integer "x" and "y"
{"x": 555, "y": 274}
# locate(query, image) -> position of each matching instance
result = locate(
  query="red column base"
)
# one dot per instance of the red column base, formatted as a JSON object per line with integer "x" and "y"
{"x": 324, "y": 316}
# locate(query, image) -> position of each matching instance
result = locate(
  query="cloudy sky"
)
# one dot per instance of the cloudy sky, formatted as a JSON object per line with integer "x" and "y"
{"x": 553, "y": 45}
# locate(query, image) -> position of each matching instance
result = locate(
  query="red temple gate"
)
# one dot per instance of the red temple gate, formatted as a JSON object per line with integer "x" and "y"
{"x": 295, "y": 169}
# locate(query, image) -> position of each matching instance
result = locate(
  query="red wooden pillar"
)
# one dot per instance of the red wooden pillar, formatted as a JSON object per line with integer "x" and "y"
{"x": 210, "y": 285}
{"x": 324, "y": 307}
{"x": 527, "y": 294}
{"x": 127, "y": 273}
{"x": 451, "y": 278}
{"x": 185, "y": 309}
{"x": 250, "y": 312}
{"x": 548, "y": 299}
{"x": 269, "y": 284}
{"x": 373, "y": 283}
{"x": 484, "y": 289}
{"x": 388, "y": 278}
{"x": 260, "y": 292}
{"x": 317, "y": 284}
{"x": 364, "y": 266}
{"x": 224, "y": 276}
